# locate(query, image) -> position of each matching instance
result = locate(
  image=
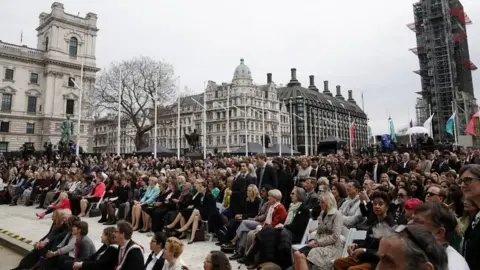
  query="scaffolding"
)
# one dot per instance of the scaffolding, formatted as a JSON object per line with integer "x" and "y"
{"x": 445, "y": 67}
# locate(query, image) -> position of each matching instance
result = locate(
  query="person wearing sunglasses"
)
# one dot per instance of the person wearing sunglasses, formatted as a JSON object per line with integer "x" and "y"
{"x": 442, "y": 223}
{"x": 435, "y": 193}
{"x": 470, "y": 184}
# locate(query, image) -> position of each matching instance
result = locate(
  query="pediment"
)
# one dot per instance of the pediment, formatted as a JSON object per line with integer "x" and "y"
{"x": 8, "y": 90}
{"x": 70, "y": 96}
{"x": 33, "y": 92}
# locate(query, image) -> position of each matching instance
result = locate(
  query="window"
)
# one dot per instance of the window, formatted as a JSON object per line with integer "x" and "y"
{"x": 4, "y": 126}
{"x": 34, "y": 78}
{"x": 69, "y": 109}
{"x": 71, "y": 82}
{"x": 9, "y": 74}
{"x": 46, "y": 44}
{"x": 3, "y": 147}
{"x": 73, "y": 47}
{"x": 32, "y": 105}
{"x": 30, "y": 128}
{"x": 6, "y": 102}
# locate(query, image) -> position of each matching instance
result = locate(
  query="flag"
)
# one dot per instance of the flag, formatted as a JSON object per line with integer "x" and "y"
{"x": 391, "y": 127}
{"x": 471, "y": 125}
{"x": 370, "y": 134}
{"x": 428, "y": 124}
{"x": 450, "y": 124}
{"x": 352, "y": 133}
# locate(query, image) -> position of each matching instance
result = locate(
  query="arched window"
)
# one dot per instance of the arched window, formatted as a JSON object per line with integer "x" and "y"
{"x": 46, "y": 44}
{"x": 73, "y": 46}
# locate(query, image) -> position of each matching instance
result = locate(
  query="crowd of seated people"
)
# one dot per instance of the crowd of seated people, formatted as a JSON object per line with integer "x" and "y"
{"x": 378, "y": 193}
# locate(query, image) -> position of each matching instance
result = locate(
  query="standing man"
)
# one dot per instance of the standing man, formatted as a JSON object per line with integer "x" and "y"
{"x": 266, "y": 174}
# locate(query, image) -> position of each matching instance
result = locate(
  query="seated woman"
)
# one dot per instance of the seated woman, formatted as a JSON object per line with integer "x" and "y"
{"x": 184, "y": 202}
{"x": 106, "y": 258}
{"x": 84, "y": 246}
{"x": 291, "y": 232}
{"x": 366, "y": 257}
{"x": 166, "y": 202}
{"x": 171, "y": 253}
{"x": 213, "y": 189}
{"x": 66, "y": 246}
{"x": 249, "y": 224}
{"x": 110, "y": 192}
{"x": 94, "y": 196}
{"x": 80, "y": 191}
{"x": 147, "y": 200}
{"x": 121, "y": 201}
{"x": 326, "y": 244}
{"x": 276, "y": 214}
{"x": 216, "y": 260}
{"x": 62, "y": 203}
{"x": 204, "y": 205}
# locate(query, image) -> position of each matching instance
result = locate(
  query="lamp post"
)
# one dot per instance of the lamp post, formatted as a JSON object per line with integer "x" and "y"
{"x": 178, "y": 119}
{"x": 305, "y": 125}
{"x": 246, "y": 129}
{"x": 120, "y": 92}
{"x": 228, "y": 129}
{"x": 228, "y": 119}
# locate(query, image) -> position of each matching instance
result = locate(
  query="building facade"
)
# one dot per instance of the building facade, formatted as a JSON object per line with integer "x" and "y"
{"x": 316, "y": 116}
{"x": 105, "y": 130}
{"x": 269, "y": 110}
{"x": 422, "y": 111}
{"x": 445, "y": 66}
{"x": 260, "y": 103}
{"x": 39, "y": 86}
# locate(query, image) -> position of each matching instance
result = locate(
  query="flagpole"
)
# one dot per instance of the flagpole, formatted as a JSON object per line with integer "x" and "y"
{"x": 454, "y": 105}
{"x": 178, "y": 119}
{"x": 350, "y": 133}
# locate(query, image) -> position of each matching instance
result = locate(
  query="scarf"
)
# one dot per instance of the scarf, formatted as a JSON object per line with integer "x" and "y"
{"x": 292, "y": 212}
{"x": 270, "y": 211}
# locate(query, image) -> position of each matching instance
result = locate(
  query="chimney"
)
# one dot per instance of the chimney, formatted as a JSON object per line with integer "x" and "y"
{"x": 269, "y": 78}
{"x": 293, "y": 80}
{"x": 350, "y": 97}
{"x": 312, "y": 84}
{"x": 339, "y": 93}
{"x": 325, "y": 89}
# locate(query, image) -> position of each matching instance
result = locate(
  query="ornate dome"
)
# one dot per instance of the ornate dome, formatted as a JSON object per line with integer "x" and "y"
{"x": 242, "y": 71}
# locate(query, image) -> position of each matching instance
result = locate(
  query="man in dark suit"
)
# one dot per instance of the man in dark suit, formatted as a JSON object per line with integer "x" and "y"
{"x": 376, "y": 170}
{"x": 130, "y": 254}
{"x": 315, "y": 172}
{"x": 311, "y": 198}
{"x": 241, "y": 180}
{"x": 156, "y": 260}
{"x": 285, "y": 181}
{"x": 266, "y": 174}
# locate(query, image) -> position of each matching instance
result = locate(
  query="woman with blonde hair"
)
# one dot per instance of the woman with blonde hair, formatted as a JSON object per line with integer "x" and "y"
{"x": 326, "y": 244}
{"x": 151, "y": 194}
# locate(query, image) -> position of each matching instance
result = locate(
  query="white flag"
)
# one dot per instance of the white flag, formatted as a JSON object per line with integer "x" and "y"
{"x": 428, "y": 124}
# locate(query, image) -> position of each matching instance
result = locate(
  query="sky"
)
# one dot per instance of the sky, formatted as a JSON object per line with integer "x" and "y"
{"x": 360, "y": 45}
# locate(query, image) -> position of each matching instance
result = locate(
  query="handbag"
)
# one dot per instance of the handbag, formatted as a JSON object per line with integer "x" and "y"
{"x": 94, "y": 212}
{"x": 199, "y": 235}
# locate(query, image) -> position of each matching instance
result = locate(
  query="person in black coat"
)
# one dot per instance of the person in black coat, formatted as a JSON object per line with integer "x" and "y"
{"x": 266, "y": 174}
{"x": 157, "y": 246}
{"x": 130, "y": 254}
{"x": 166, "y": 202}
{"x": 105, "y": 258}
{"x": 185, "y": 202}
{"x": 54, "y": 236}
{"x": 240, "y": 184}
{"x": 285, "y": 180}
{"x": 200, "y": 212}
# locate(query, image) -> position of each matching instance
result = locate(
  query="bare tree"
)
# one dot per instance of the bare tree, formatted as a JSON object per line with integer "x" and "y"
{"x": 136, "y": 83}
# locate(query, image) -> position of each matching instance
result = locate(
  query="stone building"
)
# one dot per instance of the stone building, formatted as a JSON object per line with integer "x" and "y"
{"x": 105, "y": 133}
{"x": 237, "y": 97}
{"x": 38, "y": 86}
{"x": 326, "y": 114}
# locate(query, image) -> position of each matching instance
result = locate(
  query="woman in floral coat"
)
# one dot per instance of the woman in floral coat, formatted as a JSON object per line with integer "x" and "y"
{"x": 326, "y": 244}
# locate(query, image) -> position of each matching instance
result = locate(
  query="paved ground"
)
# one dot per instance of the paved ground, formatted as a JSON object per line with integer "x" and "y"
{"x": 21, "y": 220}
{"x": 10, "y": 259}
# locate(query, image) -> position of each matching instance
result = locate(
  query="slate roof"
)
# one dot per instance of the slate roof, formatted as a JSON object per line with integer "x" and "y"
{"x": 324, "y": 99}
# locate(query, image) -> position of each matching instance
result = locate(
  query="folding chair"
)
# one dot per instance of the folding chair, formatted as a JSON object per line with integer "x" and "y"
{"x": 312, "y": 224}
{"x": 95, "y": 205}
